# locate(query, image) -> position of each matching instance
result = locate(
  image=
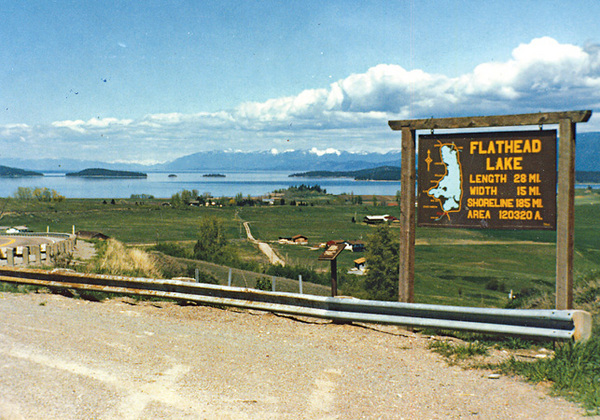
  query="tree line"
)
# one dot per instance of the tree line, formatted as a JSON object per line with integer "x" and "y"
{"x": 39, "y": 194}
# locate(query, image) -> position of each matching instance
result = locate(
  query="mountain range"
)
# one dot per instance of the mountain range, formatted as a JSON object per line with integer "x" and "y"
{"x": 587, "y": 159}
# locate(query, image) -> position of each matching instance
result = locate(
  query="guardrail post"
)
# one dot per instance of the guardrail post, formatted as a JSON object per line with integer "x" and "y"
{"x": 273, "y": 283}
{"x": 10, "y": 257}
{"x": 197, "y": 275}
{"x": 51, "y": 252}
{"x": 26, "y": 255}
{"x": 35, "y": 250}
{"x": 229, "y": 278}
{"x": 300, "y": 283}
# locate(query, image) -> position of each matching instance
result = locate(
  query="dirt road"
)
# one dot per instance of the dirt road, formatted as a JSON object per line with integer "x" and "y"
{"x": 264, "y": 247}
{"x": 65, "y": 358}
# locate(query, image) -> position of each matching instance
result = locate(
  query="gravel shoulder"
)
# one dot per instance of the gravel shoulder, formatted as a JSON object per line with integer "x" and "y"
{"x": 70, "y": 358}
{"x": 84, "y": 250}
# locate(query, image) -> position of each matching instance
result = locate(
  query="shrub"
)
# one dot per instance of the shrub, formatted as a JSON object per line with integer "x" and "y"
{"x": 39, "y": 194}
{"x": 495, "y": 284}
{"x": 171, "y": 249}
{"x": 212, "y": 245}
{"x": 118, "y": 260}
{"x": 263, "y": 283}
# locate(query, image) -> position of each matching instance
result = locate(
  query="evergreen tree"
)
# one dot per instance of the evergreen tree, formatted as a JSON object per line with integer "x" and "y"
{"x": 381, "y": 280}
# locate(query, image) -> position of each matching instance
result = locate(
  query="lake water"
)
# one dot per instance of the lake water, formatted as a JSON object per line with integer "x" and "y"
{"x": 161, "y": 186}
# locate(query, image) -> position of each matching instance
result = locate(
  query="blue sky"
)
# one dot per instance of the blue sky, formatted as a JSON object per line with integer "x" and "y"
{"x": 150, "y": 81}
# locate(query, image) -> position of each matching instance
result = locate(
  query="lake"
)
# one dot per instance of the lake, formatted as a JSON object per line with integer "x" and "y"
{"x": 160, "y": 185}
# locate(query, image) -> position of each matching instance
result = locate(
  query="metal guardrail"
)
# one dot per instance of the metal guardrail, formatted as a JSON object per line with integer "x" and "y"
{"x": 48, "y": 234}
{"x": 37, "y": 253}
{"x": 548, "y": 324}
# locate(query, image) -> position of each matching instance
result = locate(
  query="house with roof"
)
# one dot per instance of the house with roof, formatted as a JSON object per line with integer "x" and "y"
{"x": 299, "y": 239}
{"x": 379, "y": 219}
{"x": 355, "y": 246}
{"x": 360, "y": 267}
{"x": 88, "y": 234}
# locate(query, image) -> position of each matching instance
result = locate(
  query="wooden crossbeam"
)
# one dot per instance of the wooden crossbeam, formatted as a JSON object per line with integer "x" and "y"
{"x": 492, "y": 121}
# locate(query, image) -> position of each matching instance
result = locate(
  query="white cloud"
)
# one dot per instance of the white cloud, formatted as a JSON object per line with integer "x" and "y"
{"x": 541, "y": 75}
{"x": 81, "y": 126}
{"x": 8, "y": 130}
{"x": 73, "y": 125}
{"x": 351, "y": 113}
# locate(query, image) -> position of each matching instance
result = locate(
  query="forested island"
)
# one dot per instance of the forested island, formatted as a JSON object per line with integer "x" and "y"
{"x": 106, "y": 173}
{"x": 7, "y": 171}
{"x": 381, "y": 173}
{"x": 213, "y": 176}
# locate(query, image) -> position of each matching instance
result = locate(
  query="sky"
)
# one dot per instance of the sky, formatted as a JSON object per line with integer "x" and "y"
{"x": 150, "y": 81}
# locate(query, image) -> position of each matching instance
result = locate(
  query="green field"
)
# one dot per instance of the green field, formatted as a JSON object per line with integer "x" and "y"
{"x": 453, "y": 266}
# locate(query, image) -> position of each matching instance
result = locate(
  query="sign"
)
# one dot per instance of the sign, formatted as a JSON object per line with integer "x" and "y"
{"x": 500, "y": 180}
{"x": 332, "y": 252}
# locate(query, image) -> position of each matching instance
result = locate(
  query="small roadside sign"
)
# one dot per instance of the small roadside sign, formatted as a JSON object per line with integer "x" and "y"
{"x": 332, "y": 252}
{"x": 330, "y": 255}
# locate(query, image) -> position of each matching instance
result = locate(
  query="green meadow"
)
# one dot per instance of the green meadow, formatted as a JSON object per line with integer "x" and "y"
{"x": 453, "y": 266}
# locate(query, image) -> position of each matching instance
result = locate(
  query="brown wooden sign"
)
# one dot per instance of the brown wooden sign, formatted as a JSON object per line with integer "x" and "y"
{"x": 500, "y": 180}
{"x": 332, "y": 252}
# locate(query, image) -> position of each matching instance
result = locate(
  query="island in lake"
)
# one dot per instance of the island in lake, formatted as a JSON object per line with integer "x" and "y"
{"x": 172, "y": 176}
{"x": 213, "y": 176}
{"x": 106, "y": 173}
{"x": 7, "y": 171}
{"x": 381, "y": 173}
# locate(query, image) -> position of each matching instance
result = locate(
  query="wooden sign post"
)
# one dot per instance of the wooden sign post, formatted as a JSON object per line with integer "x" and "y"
{"x": 495, "y": 206}
{"x": 331, "y": 254}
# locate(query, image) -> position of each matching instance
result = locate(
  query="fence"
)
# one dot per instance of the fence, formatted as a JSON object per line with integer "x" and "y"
{"x": 28, "y": 254}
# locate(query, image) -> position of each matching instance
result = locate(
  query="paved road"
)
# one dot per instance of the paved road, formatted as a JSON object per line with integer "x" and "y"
{"x": 15, "y": 241}
{"x": 64, "y": 358}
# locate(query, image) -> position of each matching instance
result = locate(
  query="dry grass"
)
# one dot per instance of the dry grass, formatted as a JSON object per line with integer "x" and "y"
{"x": 586, "y": 296}
{"x": 119, "y": 260}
